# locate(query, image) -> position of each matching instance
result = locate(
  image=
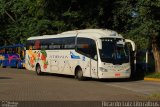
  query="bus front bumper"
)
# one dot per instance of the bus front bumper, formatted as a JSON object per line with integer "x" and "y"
{"x": 105, "y": 75}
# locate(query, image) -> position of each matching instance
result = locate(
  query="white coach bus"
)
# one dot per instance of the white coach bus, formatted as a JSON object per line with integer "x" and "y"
{"x": 95, "y": 53}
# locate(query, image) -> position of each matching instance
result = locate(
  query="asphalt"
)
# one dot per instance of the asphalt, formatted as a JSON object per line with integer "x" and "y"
{"x": 24, "y": 85}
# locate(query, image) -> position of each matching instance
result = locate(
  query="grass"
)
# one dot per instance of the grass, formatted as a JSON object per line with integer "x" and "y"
{"x": 154, "y": 96}
{"x": 153, "y": 75}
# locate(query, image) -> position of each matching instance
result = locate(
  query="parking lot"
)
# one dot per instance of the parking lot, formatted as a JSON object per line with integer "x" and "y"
{"x": 24, "y": 85}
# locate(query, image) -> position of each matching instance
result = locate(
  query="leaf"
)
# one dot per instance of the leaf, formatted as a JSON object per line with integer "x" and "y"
{"x": 44, "y": 53}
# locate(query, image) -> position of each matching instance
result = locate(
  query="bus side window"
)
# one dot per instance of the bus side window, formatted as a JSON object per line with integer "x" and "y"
{"x": 83, "y": 46}
{"x": 22, "y": 54}
{"x": 30, "y": 45}
{"x": 87, "y": 47}
{"x": 18, "y": 50}
{"x": 93, "y": 50}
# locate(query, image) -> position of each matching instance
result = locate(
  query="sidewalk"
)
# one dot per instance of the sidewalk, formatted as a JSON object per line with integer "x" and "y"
{"x": 152, "y": 79}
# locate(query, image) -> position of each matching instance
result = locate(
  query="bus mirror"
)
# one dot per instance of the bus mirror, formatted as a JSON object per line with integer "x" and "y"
{"x": 132, "y": 44}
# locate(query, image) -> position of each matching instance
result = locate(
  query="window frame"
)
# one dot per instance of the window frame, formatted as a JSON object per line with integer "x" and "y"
{"x": 89, "y": 54}
{"x": 51, "y": 43}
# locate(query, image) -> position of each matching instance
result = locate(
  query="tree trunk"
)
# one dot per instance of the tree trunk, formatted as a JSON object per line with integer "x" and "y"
{"x": 156, "y": 56}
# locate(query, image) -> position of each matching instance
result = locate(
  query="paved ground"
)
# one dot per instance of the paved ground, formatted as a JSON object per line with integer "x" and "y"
{"x": 24, "y": 85}
{"x": 143, "y": 87}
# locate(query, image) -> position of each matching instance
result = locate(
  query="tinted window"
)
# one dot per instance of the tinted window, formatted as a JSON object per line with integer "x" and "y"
{"x": 29, "y": 44}
{"x": 56, "y": 43}
{"x": 37, "y": 44}
{"x": 62, "y": 43}
{"x": 93, "y": 50}
{"x": 87, "y": 47}
{"x": 9, "y": 50}
{"x": 69, "y": 43}
{"x": 2, "y": 50}
{"x": 53, "y": 43}
{"x": 113, "y": 52}
{"x": 43, "y": 44}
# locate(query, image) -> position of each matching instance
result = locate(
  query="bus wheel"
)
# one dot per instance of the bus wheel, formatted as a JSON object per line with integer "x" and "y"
{"x": 79, "y": 75}
{"x": 38, "y": 70}
{"x": 2, "y": 65}
{"x": 17, "y": 66}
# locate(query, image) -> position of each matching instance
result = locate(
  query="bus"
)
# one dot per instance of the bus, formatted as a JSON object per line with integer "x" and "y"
{"x": 12, "y": 56}
{"x": 95, "y": 53}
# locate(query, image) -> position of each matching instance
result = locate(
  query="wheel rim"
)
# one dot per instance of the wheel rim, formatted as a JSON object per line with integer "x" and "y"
{"x": 38, "y": 70}
{"x": 79, "y": 74}
{"x": 2, "y": 65}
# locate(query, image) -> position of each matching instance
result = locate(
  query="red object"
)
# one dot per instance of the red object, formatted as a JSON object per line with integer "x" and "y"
{"x": 43, "y": 57}
{"x": 37, "y": 44}
{"x": 45, "y": 66}
{"x": 38, "y": 55}
{"x": 117, "y": 74}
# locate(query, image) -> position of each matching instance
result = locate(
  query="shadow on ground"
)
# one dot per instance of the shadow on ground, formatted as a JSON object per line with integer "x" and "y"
{"x": 5, "y": 78}
{"x": 138, "y": 76}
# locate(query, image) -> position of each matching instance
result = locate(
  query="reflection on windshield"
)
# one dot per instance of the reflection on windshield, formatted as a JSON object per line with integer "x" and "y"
{"x": 121, "y": 53}
{"x": 112, "y": 52}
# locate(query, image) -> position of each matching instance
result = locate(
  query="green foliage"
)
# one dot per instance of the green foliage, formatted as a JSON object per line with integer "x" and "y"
{"x": 21, "y": 20}
{"x": 24, "y": 18}
{"x": 154, "y": 97}
{"x": 138, "y": 20}
{"x": 153, "y": 75}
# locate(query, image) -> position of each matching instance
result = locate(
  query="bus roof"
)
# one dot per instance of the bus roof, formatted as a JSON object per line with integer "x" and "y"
{"x": 95, "y": 33}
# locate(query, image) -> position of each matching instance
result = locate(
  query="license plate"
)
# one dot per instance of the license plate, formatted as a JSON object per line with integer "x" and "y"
{"x": 117, "y": 74}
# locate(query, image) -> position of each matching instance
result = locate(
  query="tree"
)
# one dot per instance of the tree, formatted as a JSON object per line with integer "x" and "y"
{"x": 22, "y": 19}
{"x": 135, "y": 19}
{"x": 140, "y": 20}
{"x": 79, "y": 14}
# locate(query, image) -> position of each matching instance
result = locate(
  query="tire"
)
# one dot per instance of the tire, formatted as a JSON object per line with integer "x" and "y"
{"x": 79, "y": 75}
{"x": 3, "y": 65}
{"x": 17, "y": 66}
{"x": 38, "y": 70}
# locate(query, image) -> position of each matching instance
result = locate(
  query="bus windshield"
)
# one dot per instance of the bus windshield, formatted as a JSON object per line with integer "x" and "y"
{"x": 113, "y": 51}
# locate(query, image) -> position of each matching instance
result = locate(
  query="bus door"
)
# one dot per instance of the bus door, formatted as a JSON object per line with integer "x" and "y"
{"x": 94, "y": 59}
{"x": 87, "y": 47}
{"x": 94, "y": 68}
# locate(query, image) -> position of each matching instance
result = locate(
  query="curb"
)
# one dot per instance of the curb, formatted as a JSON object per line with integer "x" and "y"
{"x": 152, "y": 79}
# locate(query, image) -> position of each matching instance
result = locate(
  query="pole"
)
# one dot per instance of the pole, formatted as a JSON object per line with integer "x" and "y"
{"x": 147, "y": 61}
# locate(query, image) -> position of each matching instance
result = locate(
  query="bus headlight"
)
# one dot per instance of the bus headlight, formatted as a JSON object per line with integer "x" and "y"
{"x": 128, "y": 70}
{"x": 103, "y": 69}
